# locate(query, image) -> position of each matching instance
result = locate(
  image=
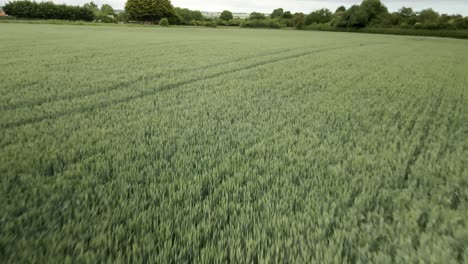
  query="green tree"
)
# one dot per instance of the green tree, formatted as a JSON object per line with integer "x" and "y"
{"x": 277, "y": 13}
{"x": 256, "y": 15}
{"x": 187, "y": 16}
{"x": 338, "y": 19}
{"x": 320, "y": 16}
{"x": 373, "y": 8}
{"x": 287, "y": 15}
{"x": 164, "y": 22}
{"x": 226, "y": 15}
{"x": 356, "y": 16}
{"x": 340, "y": 9}
{"x": 107, "y": 10}
{"x": 406, "y": 12}
{"x": 198, "y": 16}
{"x": 92, "y": 6}
{"x": 106, "y": 14}
{"x": 184, "y": 13}
{"x": 122, "y": 17}
{"x": 298, "y": 20}
{"x": 459, "y": 22}
{"x": 150, "y": 10}
{"x": 428, "y": 15}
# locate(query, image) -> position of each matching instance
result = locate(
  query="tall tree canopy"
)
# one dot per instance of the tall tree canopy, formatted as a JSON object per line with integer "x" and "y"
{"x": 428, "y": 15}
{"x": 373, "y": 8}
{"x": 406, "y": 12}
{"x": 149, "y": 10}
{"x": 356, "y": 16}
{"x": 107, "y": 10}
{"x": 92, "y": 6}
{"x": 256, "y": 15}
{"x": 277, "y": 13}
{"x": 287, "y": 15}
{"x": 320, "y": 16}
{"x": 340, "y": 9}
{"x": 187, "y": 15}
{"x": 226, "y": 15}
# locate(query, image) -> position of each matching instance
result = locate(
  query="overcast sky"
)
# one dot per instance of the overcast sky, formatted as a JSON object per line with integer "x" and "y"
{"x": 305, "y": 6}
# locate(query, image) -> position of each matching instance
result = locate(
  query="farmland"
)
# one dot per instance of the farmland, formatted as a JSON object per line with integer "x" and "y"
{"x": 176, "y": 145}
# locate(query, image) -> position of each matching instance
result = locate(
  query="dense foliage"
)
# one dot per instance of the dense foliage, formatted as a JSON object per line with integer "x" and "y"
{"x": 261, "y": 23}
{"x": 148, "y": 145}
{"x": 257, "y": 16}
{"x": 150, "y": 10}
{"x": 277, "y": 13}
{"x": 188, "y": 17}
{"x": 105, "y": 14}
{"x": 370, "y": 15}
{"x": 47, "y": 10}
{"x": 164, "y": 22}
{"x": 320, "y": 16}
{"x": 226, "y": 15}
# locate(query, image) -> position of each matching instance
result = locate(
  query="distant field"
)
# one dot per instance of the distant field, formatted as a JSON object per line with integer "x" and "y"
{"x": 204, "y": 145}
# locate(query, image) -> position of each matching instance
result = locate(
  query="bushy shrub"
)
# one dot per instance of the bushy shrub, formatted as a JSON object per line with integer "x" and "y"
{"x": 257, "y": 16}
{"x": 220, "y": 22}
{"x": 299, "y": 24}
{"x": 275, "y": 24}
{"x": 234, "y": 22}
{"x": 186, "y": 23}
{"x": 122, "y": 17}
{"x": 405, "y": 25}
{"x": 431, "y": 25}
{"x": 211, "y": 24}
{"x": 322, "y": 27}
{"x": 105, "y": 18}
{"x": 459, "y": 23}
{"x": 419, "y": 25}
{"x": 164, "y": 22}
{"x": 264, "y": 23}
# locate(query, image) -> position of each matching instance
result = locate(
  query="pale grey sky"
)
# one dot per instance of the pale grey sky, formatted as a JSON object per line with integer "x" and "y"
{"x": 306, "y": 6}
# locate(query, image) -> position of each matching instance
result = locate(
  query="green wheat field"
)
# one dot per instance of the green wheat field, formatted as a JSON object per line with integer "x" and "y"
{"x": 196, "y": 145}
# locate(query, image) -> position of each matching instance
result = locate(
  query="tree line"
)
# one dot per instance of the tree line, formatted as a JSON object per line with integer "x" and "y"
{"x": 47, "y": 10}
{"x": 374, "y": 14}
{"x": 369, "y": 14}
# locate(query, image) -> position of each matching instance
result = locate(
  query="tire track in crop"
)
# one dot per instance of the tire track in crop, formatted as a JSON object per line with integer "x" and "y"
{"x": 78, "y": 53}
{"x": 250, "y": 146}
{"x": 123, "y": 84}
{"x": 90, "y": 155}
{"x": 40, "y": 101}
{"x": 433, "y": 110}
{"x": 421, "y": 142}
{"x": 162, "y": 88}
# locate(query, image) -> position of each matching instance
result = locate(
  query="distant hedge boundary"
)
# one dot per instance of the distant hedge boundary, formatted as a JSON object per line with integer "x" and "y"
{"x": 47, "y": 10}
{"x": 458, "y": 34}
